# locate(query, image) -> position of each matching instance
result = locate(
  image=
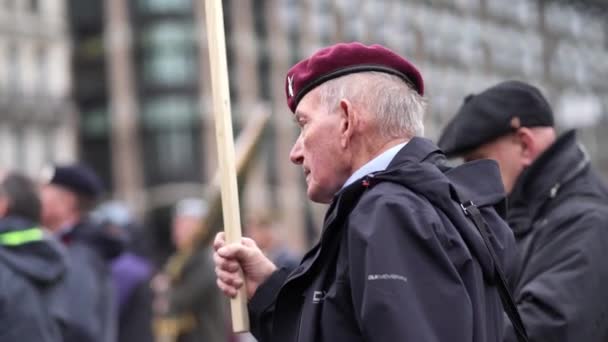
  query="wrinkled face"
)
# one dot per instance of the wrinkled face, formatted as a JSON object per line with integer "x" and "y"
{"x": 184, "y": 230}
{"x": 58, "y": 205}
{"x": 507, "y": 152}
{"x": 318, "y": 149}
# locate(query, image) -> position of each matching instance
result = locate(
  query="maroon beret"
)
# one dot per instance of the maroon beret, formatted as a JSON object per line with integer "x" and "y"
{"x": 342, "y": 59}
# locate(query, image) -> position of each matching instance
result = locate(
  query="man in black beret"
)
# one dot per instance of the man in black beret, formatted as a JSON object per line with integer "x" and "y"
{"x": 398, "y": 258}
{"x": 68, "y": 194}
{"x": 558, "y": 210}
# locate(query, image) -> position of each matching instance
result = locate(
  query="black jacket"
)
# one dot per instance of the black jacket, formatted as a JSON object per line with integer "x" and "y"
{"x": 559, "y": 213}
{"x": 31, "y": 268}
{"x": 92, "y": 315}
{"x": 405, "y": 264}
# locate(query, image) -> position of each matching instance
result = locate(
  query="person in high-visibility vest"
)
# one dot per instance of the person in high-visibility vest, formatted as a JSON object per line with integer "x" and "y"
{"x": 31, "y": 266}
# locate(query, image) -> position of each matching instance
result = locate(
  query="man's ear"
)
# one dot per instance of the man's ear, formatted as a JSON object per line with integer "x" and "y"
{"x": 349, "y": 120}
{"x": 529, "y": 148}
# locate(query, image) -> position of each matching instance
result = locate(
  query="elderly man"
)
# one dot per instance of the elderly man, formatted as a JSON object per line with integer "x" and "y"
{"x": 398, "y": 259}
{"x": 31, "y": 266}
{"x": 558, "y": 210}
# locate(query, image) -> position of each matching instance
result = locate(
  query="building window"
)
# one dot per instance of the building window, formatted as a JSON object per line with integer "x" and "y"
{"x": 171, "y": 139}
{"x": 169, "y": 111}
{"x": 163, "y": 6}
{"x": 169, "y": 53}
{"x": 169, "y": 67}
{"x": 174, "y": 32}
{"x": 95, "y": 122}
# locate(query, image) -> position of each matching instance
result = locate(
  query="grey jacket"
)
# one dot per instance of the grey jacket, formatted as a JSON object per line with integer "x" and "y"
{"x": 31, "y": 268}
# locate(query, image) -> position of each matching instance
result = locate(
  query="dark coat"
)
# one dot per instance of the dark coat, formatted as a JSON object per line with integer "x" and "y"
{"x": 92, "y": 315}
{"x": 559, "y": 213}
{"x": 404, "y": 265}
{"x": 29, "y": 274}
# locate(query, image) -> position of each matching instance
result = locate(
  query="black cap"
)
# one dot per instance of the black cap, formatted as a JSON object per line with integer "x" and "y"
{"x": 493, "y": 113}
{"x": 77, "y": 178}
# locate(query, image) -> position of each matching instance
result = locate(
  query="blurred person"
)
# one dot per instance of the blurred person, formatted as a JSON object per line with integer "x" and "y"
{"x": 32, "y": 265}
{"x": 131, "y": 274}
{"x": 190, "y": 306}
{"x": 68, "y": 194}
{"x": 260, "y": 228}
{"x": 558, "y": 210}
{"x": 398, "y": 258}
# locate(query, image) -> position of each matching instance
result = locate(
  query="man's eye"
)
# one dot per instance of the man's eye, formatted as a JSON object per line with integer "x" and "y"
{"x": 298, "y": 121}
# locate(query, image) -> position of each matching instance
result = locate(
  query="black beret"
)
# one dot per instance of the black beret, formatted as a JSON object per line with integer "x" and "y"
{"x": 77, "y": 178}
{"x": 493, "y": 113}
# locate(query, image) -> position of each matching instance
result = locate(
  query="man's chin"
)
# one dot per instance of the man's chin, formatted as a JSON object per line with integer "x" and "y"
{"x": 318, "y": 197}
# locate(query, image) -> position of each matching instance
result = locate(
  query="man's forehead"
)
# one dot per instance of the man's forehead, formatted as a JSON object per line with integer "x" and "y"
{"x": 299, "y": 113}
{"x": 308, "y": 103}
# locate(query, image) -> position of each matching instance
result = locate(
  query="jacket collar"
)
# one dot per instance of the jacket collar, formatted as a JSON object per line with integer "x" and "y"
{"x": 540, "y": 182}
{"x": 416, "y": 150}
{"x": 426, "y": 171}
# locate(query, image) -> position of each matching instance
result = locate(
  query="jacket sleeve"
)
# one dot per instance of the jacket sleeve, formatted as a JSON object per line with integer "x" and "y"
{"x": 566, "y": 299}
{"x": 261, "y": 305}
{"x": 404, "y": 286}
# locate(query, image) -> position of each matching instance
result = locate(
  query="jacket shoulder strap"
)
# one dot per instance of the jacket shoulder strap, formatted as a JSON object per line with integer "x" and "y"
{"x": 471, "y": 211}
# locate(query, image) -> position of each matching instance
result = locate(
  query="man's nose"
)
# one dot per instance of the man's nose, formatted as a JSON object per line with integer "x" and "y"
{"x": 295, "y": 155}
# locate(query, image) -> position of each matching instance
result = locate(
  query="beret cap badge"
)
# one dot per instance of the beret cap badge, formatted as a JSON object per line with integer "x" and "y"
{"x": 290, "y": 85}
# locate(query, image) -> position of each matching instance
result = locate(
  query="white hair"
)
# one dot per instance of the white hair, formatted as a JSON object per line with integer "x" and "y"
{"x": 398, "y": 108}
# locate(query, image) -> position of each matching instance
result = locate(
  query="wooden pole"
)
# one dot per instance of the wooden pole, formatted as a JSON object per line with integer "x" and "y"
{"x": 225, "y": 146}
